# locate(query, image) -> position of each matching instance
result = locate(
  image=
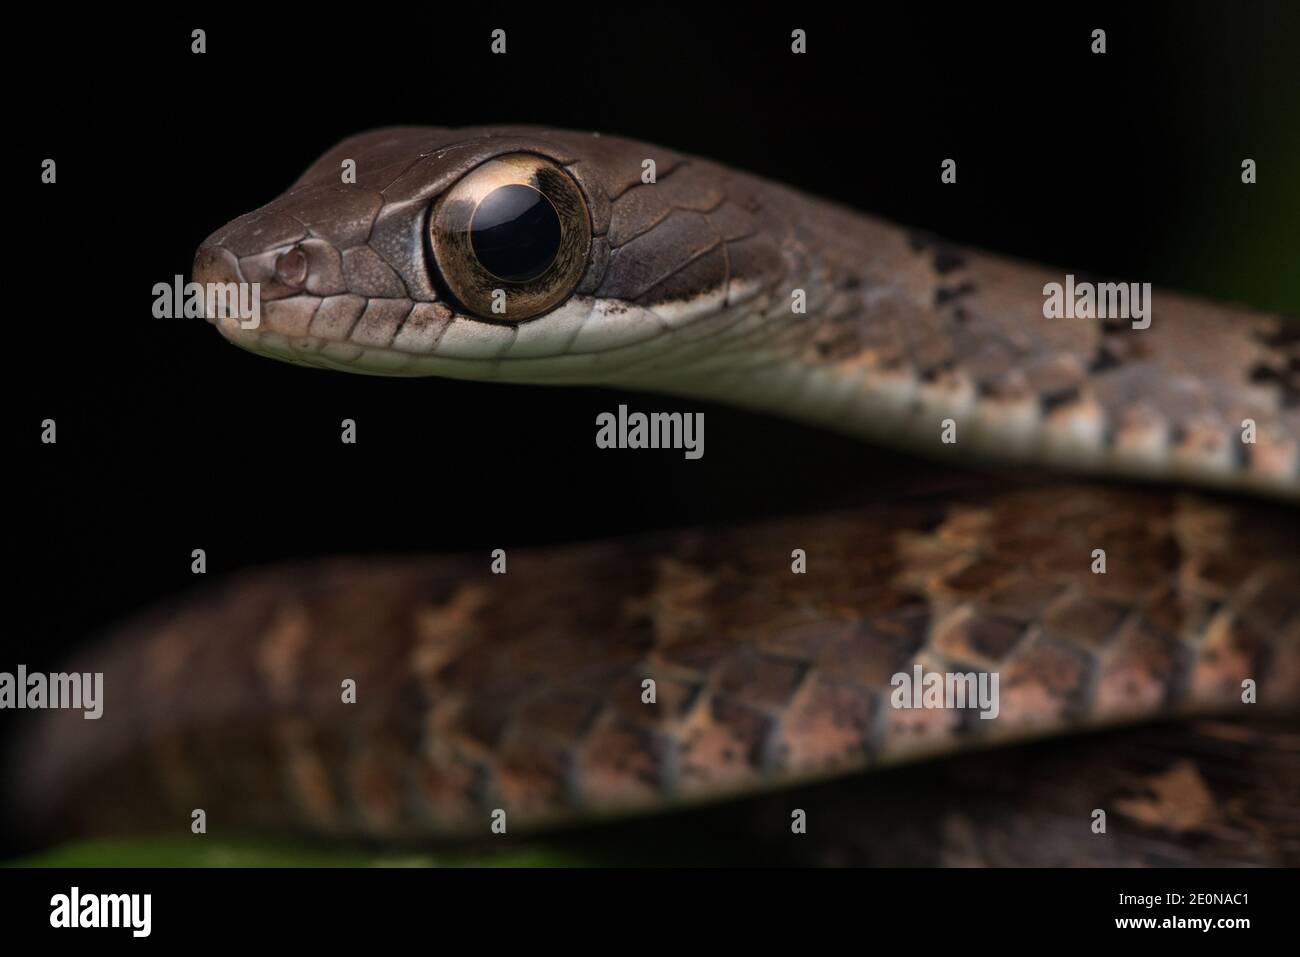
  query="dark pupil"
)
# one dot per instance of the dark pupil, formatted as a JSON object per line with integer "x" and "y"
{"x": 515, "y": 232}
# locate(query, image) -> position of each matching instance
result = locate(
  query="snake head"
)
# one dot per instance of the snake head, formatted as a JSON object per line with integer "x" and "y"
{"x": 514, "y": 253}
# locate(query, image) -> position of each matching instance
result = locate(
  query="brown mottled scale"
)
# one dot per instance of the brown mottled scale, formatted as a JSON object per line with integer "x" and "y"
{"x": 1207, "y": 793}
{"x": 524, "y": 691}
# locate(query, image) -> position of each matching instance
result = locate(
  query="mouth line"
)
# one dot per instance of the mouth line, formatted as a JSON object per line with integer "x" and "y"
{"x": 464, "y": 348}
{"x": 314, "y": 351}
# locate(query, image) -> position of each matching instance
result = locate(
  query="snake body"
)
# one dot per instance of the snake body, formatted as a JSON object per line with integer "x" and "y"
{"x": 526, "y": 693}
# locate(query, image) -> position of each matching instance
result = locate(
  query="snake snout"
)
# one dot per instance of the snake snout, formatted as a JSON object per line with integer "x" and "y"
{"x": 216, "y": 272}
{"x": 258, "y": 287}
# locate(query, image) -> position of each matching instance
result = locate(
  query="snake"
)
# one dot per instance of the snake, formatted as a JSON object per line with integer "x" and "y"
{"x": 622, "y": 677}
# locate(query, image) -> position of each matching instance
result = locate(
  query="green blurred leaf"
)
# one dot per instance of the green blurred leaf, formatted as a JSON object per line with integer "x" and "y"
{"x": 206, "y": 853}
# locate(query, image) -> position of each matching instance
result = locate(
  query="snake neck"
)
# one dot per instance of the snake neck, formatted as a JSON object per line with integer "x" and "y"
{"x": 893, "y": 336}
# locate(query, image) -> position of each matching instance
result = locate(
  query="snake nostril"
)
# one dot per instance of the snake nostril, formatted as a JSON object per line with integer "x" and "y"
{"x": 291, "y": 267}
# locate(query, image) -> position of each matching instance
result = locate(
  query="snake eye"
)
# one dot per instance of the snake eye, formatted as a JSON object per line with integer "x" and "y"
{"x": 510, "y": 238}
{"x": 515, "y": 232}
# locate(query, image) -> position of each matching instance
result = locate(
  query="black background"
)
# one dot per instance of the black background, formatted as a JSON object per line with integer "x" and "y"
{"x": 169, "y": 439}
{"x": 743, "y": 911}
